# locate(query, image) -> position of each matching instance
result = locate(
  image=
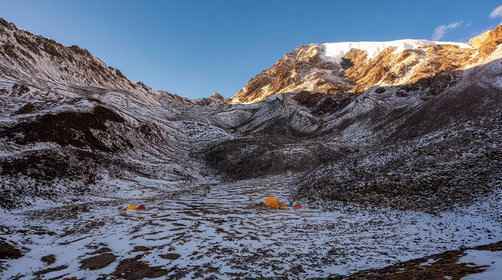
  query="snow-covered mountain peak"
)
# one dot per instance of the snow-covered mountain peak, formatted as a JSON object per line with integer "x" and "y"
{"x": 336, "y": 51}
{"x": 356, "y": 67}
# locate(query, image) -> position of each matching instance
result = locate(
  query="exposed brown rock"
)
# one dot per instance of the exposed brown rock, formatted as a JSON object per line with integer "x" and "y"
{"x": 132, "y": 269}
{"x": 97, "y": 262}
{"x": 68, "y": 128}
{"x": 441, "y": 266}
{"x": 26, "y": 109}
{"x": 170, "y": 256}
{"x": 49, "y": 259}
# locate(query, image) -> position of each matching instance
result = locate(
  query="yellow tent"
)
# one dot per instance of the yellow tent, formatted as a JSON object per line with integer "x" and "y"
{"x": 135, "y": 207}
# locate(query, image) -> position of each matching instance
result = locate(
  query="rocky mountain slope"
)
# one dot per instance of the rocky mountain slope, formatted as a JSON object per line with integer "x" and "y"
{"x": 366, "y": 132}
{"x": 33, "y": 58}
{"x": 68, "y": 121}
{"x": 379, "y": 141}
{"x": 356, "y": 67}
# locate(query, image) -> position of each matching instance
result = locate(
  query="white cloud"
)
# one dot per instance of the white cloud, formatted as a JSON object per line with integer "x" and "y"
{"x": 441, "y": 30}
{"x": 497, "y": 12}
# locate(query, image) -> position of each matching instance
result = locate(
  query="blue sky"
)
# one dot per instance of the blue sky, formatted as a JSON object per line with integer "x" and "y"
{"x": 195, "y": 47}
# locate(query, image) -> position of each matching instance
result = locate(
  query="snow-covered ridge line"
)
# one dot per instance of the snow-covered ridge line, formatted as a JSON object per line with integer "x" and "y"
{"x": 336, "y": 51}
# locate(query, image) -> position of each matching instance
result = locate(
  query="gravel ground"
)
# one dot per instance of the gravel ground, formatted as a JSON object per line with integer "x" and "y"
{"x": 219, "y": 231}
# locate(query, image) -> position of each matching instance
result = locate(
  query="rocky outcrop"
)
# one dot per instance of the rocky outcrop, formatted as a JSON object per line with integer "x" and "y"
{"x": 487, "y": 42}
{"x": 214, "y": 99}
{"x": 292, "y": 73}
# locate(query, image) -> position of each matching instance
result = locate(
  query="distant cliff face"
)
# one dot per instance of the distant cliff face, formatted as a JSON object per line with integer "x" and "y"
{"x": 358, "y": 66}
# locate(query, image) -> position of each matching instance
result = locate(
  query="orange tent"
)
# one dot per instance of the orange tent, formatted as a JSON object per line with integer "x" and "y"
{"x": 274, "y": 203}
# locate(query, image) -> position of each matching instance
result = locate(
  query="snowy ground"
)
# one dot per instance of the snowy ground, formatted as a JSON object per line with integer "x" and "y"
{"x": 218, "y": 231}
{"x": 492, "y": 260}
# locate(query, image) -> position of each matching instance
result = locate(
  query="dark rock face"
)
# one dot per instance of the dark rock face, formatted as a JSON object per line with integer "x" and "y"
{"x": 67, "y": 128}
{"x": 9, "y": 251}
{"x": 26, "y": 109}
{"x": 259, "y": 156}
{"x": 45, "y": 165}
{"x": 170, "y": 256}
{"x": 321, "y": 103}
